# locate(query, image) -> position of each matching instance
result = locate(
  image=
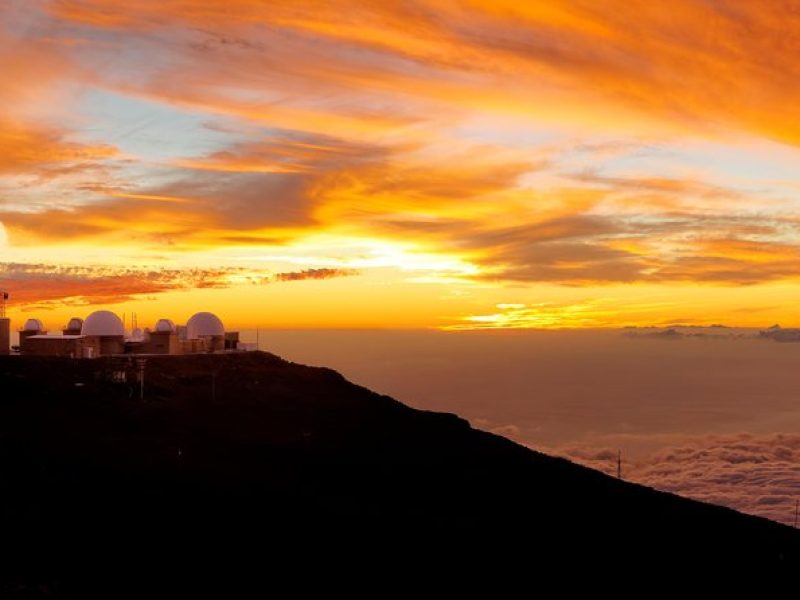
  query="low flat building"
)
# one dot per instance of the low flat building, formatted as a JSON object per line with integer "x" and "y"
{"x": 68, "y": 346}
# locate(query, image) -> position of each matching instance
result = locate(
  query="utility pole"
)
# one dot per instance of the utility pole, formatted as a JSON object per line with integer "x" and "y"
{"x": 140, "y": 364}
{"x": 796, "y": 511}
{"x": 619, "y": 464}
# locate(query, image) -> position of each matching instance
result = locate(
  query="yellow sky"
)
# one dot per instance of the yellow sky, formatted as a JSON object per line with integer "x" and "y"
{"x": 446, "y": 164}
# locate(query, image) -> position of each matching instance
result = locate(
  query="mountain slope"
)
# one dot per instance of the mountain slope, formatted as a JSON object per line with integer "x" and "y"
{"x": 249, "y": 456}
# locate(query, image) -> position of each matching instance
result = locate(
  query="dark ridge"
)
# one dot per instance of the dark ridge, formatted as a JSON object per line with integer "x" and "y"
{"x": 246, "y": 466}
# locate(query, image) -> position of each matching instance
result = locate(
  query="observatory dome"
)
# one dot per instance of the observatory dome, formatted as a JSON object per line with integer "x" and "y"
{"x": 204, "y": 324}
{"x": 33, "y": 325}
{"x": 75, "y": 323}
{"x": 165, "y": 325}
{"x": 103, "y": 322}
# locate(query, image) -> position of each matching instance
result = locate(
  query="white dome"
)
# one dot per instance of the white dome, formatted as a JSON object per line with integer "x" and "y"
{"x": 203, "y": 324}
{"x": 75, "y": 323}
{"x": 165, "y": 325}
{"x": 103, "y": 322}
{"x": 33, "y": 325}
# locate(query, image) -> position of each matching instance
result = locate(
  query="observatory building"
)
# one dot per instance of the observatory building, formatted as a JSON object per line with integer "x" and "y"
{"x": 205, "y": 331}
{"x": 164, "y": 338}
{"x": 103, "y": 334}
{"x": 32, "y": 328}
{"x": 74, "y": 326}
{"x": 33, "y": 339}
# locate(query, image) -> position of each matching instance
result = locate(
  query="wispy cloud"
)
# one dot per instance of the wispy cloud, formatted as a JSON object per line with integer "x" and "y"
{"x": 46, "y": 153}
{"x": 51, "y": 285}
{"x": 314, "y": 274}
{"x": 620, "y": 56}
{"x": 557, "y": 145}
{"x": 588, "y": 313}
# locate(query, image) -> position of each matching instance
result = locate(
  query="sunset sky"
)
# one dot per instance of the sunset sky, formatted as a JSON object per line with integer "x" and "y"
{"x": 463, "y": 164}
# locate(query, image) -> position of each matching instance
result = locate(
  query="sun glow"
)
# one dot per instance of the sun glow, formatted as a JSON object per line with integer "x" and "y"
{"x": 484, "y": 181}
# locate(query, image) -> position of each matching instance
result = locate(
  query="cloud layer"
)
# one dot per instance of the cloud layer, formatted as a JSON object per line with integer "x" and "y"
{"x": 757, "y": 474}
{"x": 575, "y": 145}
{"x": 314, "y": 274}
{"x": 43, "y": 286}
{"x": 713, "y": 417}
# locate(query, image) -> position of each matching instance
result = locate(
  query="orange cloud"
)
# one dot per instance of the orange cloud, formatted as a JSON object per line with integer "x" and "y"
{"x": 45, "y": 153}
{"x": 237, "y": 196}
{"x": 699, "y": 65}
{"x": 427, "y": 125}
{"x": 47, "y": 286}
{"x": 295, "y": 154}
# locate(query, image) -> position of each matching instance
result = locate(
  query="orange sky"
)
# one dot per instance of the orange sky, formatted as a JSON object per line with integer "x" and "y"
{"x": 421, "y": 164}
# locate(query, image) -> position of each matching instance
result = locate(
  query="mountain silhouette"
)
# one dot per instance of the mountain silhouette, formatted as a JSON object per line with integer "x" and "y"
{"x": 249, "y": 464}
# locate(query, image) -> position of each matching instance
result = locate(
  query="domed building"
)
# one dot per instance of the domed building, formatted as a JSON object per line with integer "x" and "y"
{"x": 163, "y": 339}
{"x": 74, "y": 326}
{"x": 105, "y": 332}
{"x": 165, "y": 326}
{"x": 204, "y": 333}
{"x": 103, "y": 323}
{"x": 33, "y": 325}
{"x": 34, "y": 340}
{"x": 31, "y": 328}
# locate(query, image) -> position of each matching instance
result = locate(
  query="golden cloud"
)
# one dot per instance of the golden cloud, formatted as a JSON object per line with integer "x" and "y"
{"x": 46, "y": 153}
{"x": 408, "y": 122}
{"x": 700, "y": 65}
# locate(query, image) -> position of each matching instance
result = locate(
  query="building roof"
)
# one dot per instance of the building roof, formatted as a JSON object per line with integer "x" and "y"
{"x": 204, "y": 324}
{"x": 165, "y": 326}
{"x": 33, "y": 325}
{"x": 75, "y": 323}
{"x": 103, "y": 323}
{"x": 55, "y": 337}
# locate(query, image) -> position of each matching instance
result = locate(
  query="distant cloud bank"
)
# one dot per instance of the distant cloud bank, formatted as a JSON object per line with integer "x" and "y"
{"x": 314, "y": 274}
{"x": 775, "y": 333}
{"x": 755, "y": 474}
{"x": 41, "y": 286}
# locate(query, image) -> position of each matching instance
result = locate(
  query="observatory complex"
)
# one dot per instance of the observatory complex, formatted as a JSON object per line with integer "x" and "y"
{"x": 103, "y": 334}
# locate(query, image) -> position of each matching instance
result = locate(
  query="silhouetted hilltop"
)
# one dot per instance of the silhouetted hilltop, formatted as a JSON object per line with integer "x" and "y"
{"x": 247, "y": 462}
